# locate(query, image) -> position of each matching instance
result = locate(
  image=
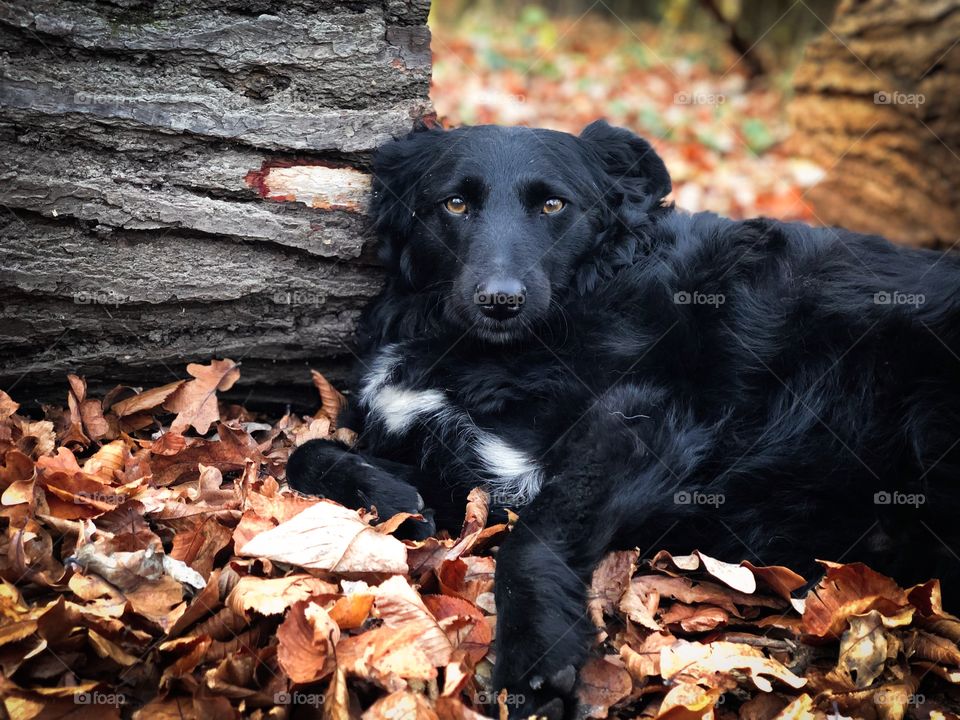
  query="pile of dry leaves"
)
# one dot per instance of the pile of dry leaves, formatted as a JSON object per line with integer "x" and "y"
{"x": 153, "y": 565}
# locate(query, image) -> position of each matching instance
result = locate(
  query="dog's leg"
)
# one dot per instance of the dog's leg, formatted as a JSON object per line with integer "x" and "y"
{"x": 618, "y": 473}
{"x": 327, "y": 469}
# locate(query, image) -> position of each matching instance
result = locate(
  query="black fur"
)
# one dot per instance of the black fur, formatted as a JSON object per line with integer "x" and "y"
{"x": 810, "y": 370}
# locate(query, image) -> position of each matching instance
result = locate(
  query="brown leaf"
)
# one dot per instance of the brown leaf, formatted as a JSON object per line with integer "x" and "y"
{"x": 473, "y": 639}
{"x": 327, "y": 536}
{"x": 863, "y": 650}
{"x": 738, "y": 577}
{"x": 35, "y": 439}
{"x": 926, "y": 646}
{"x": 602, "y": 684}
{"x": 449, "y": 708}
{"x": 306, "y": 639}
{"x": 195, "y": 402}
{"x": 351, "y": 611}
{"x": 695, "y": 618}
{"x": 401, "y": 704}
{"x": 331, "y": 401}
{"x": 410, "y": 644}
{"x": 91, "y": 413}
{"x": 336, "y": 702}
{"x": 714, "y": 663}
{"x": 146, "y": 400}
{"x": 930, "y": 613}
{"x": 199, "y": 545}
{"x": 273, "y": 596}
{"x": 847, "y": 590}
{"x": 610, "y": 580}
{"x": 641, "y": 609}
{"x": 783, "y": 581}
{"x": 7, "y": 406}
{"x": 107, "y": 462}
{"x": 642, "y": 661}
{"x": 707, "y": 593}
{"x": 687, "y": 701}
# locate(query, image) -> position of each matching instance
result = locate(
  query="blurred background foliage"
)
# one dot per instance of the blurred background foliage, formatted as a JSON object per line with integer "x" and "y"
{"x": 759, "y": 107}
{"x": 705, "y": 80}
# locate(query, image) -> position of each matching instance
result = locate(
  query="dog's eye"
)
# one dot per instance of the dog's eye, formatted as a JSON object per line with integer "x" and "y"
{"x": 553, "y": 205}
{"x": 457, "y": 205}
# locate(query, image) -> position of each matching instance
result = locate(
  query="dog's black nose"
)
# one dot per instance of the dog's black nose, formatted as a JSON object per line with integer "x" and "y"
{"x": 500, "y": 298}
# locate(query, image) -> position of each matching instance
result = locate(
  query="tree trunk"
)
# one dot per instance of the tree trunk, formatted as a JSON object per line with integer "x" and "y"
{"x": 877, "y": 107}
{"x": 183, "y": 181}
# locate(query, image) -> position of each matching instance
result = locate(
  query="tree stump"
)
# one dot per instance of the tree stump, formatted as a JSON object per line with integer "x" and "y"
{"x": 186, "y": 181}
{"x": 877, "y": 107}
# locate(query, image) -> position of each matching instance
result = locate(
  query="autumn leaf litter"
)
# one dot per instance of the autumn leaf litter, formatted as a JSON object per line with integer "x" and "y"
{"x": 154, "y": 565}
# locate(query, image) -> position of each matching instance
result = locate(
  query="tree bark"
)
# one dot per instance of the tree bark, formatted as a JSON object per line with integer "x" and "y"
{"x": 877, "y": 107}
{"x": 184, "y": 181}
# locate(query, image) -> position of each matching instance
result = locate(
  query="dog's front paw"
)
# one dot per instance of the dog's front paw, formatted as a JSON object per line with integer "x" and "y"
{"x": 327, "y": 469}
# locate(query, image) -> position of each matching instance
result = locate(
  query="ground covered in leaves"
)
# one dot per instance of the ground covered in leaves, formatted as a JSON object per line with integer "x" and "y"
{"x": 721, "y": 137}
{"x": 153, "y": 565}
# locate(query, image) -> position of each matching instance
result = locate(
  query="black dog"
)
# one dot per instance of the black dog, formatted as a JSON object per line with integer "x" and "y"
{"x": 630, "y": 375}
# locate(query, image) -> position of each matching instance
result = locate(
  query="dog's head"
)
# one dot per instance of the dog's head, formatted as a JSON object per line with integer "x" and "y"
{"x": 498, "y": 220}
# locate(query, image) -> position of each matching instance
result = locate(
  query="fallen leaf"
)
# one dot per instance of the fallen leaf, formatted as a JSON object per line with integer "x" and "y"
{"x": 327, "y": 536}
{"x": 713, "y": 664}
{"x": 847, "y": 590}
{"x": 602, "y": 685}
{"x": 306, "y": 640}
{"x": 272, "y": 596}
{"x": 195, "y": 402}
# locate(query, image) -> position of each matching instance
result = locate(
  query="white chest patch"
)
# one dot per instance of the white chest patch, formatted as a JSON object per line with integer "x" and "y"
{"x": 399, "y": 407}
{"x": 513, "y": 477}
{"x": 512, "y": 474}
{"x": 396, "y": 406}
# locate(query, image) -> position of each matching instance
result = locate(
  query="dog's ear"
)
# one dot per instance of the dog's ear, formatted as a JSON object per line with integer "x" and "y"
{"x": 398, "y": 168}
{"x": 636, "y": 178}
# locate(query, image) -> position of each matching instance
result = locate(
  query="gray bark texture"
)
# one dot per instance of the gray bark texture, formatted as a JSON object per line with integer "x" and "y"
{"x": 181, "y": 181}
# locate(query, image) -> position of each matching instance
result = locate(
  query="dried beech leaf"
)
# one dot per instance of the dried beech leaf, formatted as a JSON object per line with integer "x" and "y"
{"x": 602, "y": 685}
{"x": 147, "y": 400}
{"x": 863, "y": 650}
{"x": 714, "y": 662}
{"x": 327, "y": 536}
{"x": 847, "y": 590}
{"x": 331, "y": 401}
{"x": 272, "y": 596}
{"x": 195, "y": 402}
{"x": 306, "y": 640}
